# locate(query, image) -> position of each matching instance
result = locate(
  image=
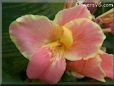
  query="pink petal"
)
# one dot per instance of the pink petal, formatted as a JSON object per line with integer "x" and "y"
{"x": 90, "y": 68}
{"x": 29, "y": 32}
{"x": 88, "y": 38}
{"x": 39, "y": 63}
{"x": 67, "y": 15}
{"x": 107, "y": 64}
{"x": 46, "y": 65}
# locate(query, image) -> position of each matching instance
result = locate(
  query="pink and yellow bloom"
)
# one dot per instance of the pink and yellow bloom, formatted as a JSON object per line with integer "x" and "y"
{"x": 47, "y": 44}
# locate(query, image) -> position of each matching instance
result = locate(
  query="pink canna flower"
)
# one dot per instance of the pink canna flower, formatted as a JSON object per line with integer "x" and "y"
{"x": 47, "y": 44}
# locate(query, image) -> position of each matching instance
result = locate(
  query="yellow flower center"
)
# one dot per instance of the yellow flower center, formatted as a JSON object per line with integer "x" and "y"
{"x": 64, "y": 41}
{"x": 66, "y": 38}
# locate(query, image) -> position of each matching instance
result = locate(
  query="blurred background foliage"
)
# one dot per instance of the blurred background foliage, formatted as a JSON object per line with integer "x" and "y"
{"x": 14, "y": 64}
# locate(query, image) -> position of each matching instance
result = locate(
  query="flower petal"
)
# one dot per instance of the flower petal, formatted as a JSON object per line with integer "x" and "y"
{"x": 67, "y": 15}
{"x": 29, "y": 32}
{"x": 87, "y": 39}
{"x": 45, "y": 65}
{"x": 39, "y": 62}
{"x": 90, "y": 68}
{"x": 107, "y": 64}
